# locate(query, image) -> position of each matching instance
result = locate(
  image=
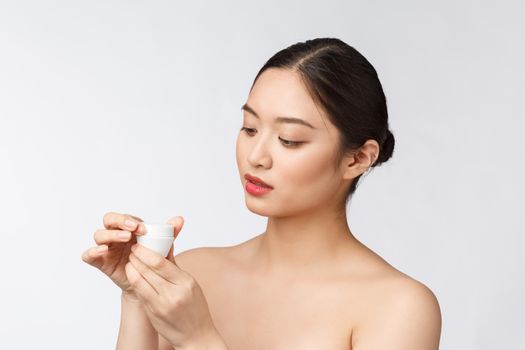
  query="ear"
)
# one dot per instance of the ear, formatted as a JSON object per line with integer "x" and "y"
{"x": 359, "y": 161}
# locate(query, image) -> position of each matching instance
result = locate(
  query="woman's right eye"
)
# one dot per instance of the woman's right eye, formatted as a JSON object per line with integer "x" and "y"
{"x": 286, "y": 143}
{"x": 247, "y": 130}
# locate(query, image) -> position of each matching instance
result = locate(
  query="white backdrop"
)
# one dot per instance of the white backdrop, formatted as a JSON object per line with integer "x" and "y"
{"x": 134, "y": 106}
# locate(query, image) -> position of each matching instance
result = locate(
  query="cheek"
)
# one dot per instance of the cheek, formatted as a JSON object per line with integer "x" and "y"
{"x": 307, "y": 179}
{"x": 310, "y": 168}
{"x": 305, "y": 182}
{"x": 241, "y": 157}
{"x": 238, "y": 151}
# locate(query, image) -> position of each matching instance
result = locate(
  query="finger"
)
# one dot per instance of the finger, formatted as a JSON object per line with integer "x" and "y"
{"x": 135, "y": 217}
{"x": 93, "y": 253}
{"x": 127, "y": 222}
{"x": 157, "y": 282}
{"x": 171, "y": 256}
{"x": 107, "y": 236}
{"x": 160, "y": 265}
{"x": 144, "y": 290}
{"x": 177, "y": 222}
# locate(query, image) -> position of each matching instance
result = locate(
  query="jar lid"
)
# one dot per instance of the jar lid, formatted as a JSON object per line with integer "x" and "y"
{"x": 159, "y": 230}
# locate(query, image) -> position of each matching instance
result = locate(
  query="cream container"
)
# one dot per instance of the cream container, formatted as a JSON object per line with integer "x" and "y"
{"x": 158, "y": 237}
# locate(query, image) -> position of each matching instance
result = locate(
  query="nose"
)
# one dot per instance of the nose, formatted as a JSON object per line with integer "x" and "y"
{"x": 259, "y": 154}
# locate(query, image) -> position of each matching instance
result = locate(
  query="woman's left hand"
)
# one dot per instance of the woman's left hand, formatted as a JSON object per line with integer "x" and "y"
{"x": 173, "y": 300}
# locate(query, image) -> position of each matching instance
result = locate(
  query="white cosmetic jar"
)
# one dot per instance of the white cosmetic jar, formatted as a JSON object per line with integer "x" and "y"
{"x": 158, "y": 237}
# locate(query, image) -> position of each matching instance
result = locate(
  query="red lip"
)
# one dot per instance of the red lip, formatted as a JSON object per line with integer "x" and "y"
{"x": 256, "y": 180}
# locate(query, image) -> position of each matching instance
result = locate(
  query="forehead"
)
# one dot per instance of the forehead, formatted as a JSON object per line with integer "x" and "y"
{"x": 281, "y": 92}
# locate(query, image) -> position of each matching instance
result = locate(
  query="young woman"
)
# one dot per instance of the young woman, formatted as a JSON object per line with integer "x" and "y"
{"x": 315, "y": 120}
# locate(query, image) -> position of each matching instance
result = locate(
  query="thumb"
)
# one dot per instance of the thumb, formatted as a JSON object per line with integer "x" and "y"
{"x": 177, "y": 222}
{"x": 171, "y": 256}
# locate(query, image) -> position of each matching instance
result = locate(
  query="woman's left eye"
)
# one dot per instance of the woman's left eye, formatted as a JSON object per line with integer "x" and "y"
{"x": 286, "y": 143}
{"x": 290, "y": 143}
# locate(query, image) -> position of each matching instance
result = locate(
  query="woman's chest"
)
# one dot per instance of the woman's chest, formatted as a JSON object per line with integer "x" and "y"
{"x": 280, "y": 316}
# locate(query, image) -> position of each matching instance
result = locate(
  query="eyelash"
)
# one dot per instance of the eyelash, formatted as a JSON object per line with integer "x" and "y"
{"x": 287, "y": 143}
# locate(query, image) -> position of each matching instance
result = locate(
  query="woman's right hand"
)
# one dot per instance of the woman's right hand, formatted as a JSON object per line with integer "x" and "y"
{"x": 114, "y": 243}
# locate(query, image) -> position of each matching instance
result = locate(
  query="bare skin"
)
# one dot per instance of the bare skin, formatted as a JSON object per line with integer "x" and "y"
{"x": 341, "y": 305}
{"x": 306, "y": 282}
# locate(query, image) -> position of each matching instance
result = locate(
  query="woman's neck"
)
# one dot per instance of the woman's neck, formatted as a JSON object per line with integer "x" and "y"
{"x": 305, "y": 242}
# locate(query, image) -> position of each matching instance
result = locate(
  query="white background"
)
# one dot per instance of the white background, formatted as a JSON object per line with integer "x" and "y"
{"x": 134, "y": 106}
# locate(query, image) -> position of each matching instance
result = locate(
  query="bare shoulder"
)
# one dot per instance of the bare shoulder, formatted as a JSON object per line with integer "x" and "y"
{"x": 402, "y": 313}
{"x": 197, "y": 259}
{"x": 202, "y": 259}
{"x": 207, "y": 264}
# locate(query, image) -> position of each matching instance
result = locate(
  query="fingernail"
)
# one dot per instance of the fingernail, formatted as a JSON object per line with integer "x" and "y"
{"x": 141, "y": 229}
{"x": 123, "y": 235}
{"x": 129, "y": 224}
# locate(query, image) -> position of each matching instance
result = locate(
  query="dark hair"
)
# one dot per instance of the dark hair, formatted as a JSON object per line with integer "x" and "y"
{"x": 346, "y": 86}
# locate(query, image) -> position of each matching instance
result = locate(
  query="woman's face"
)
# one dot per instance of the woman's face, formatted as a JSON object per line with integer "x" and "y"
{"x": 302, "y": 176}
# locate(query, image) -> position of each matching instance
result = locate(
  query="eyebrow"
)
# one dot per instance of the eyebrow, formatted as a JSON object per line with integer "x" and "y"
{"x": 291, "y": 120}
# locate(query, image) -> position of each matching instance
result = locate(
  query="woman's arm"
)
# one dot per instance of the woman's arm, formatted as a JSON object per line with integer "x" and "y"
{"x": 136, "y": 331}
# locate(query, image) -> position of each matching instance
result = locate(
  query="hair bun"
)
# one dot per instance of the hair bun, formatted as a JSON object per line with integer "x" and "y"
{"x": 387, "y": 148}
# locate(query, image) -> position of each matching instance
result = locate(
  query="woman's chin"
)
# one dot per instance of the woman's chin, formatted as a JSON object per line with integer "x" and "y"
{"x": 256, "y": 206}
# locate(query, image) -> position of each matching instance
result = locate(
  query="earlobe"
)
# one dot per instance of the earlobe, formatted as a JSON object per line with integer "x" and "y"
{"x": 369, "y": 150}
{"x": 374, "y": 158}
{"x": 352, "y": 166}
{"x": 361, "y": 160}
